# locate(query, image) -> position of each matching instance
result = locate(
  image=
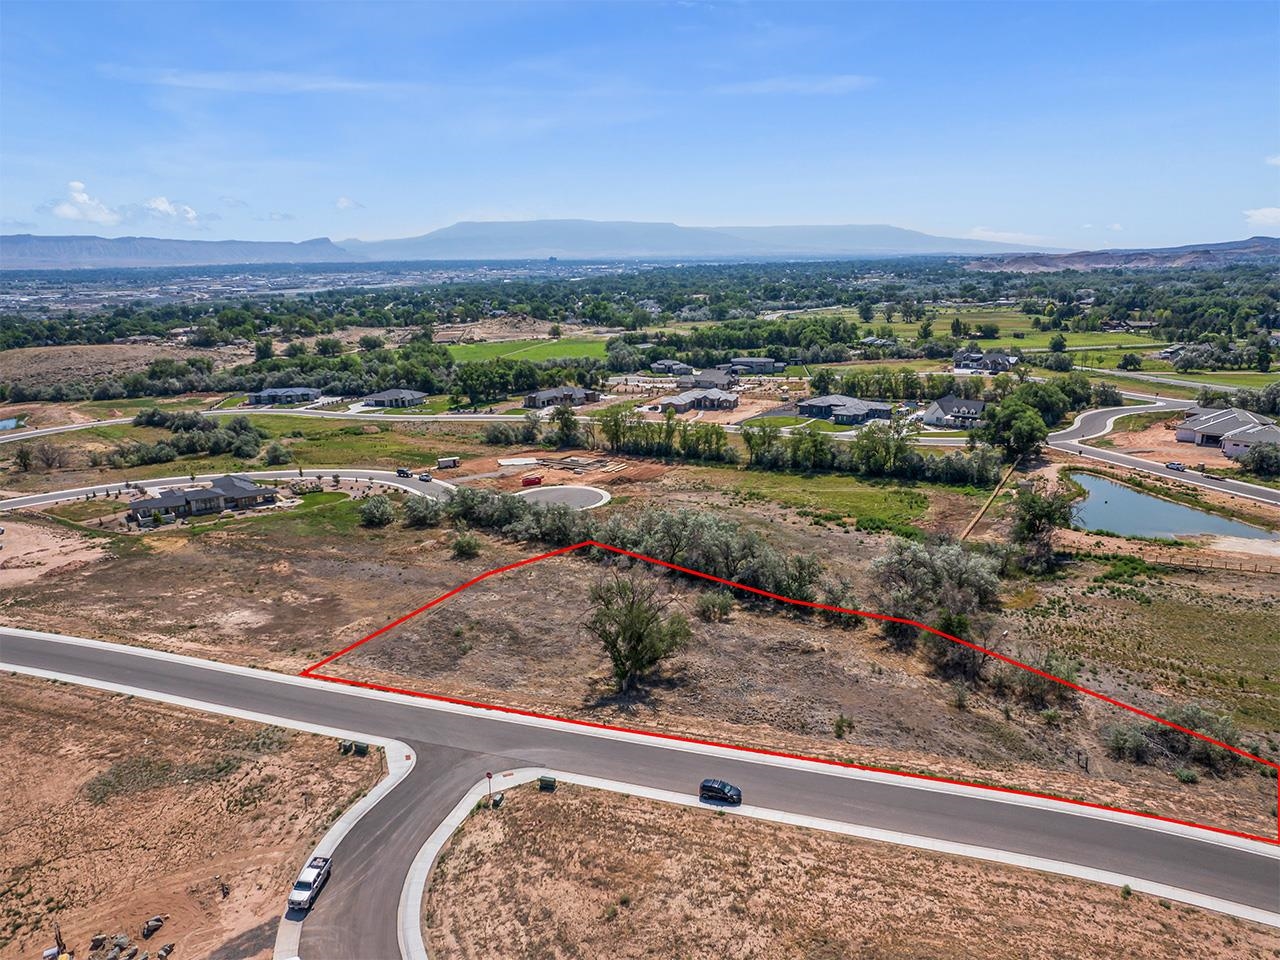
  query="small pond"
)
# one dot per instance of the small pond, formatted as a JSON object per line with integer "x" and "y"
{"x": 1112, "y": 506}
{"x": 9, "y": 424}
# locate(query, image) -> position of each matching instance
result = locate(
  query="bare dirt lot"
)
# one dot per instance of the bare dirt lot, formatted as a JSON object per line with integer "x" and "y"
{"x": 34, "y": 550}
{"x": 765, "y": 677}
{"x": 34, "y": 366}
{"x": 577, "y": 873}
{"x": 113, "y": 810}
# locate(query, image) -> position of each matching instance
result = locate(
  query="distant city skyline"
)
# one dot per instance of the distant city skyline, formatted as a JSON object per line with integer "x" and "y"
{"x": 1084, "y": 125}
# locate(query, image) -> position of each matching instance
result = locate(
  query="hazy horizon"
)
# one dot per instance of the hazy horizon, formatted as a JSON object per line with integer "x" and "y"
{"x": 1076, "y": 126}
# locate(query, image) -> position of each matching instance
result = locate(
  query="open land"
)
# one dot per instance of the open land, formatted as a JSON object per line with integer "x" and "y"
{"x": 284, "y": 589}
{"x": 579, "y": 873}
{"x": 98, "y": 827}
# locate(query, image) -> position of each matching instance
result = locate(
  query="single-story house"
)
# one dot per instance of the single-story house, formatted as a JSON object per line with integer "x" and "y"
{"x": 1208, "y": 428}
{"x": 708, "y": 379}
{"x": 996, "y": 361}
{"x": 712, "y": 399}
{"x": 753, "y": 366}
{"x": 555, "y": 396}
{"x": 846, "y": 410}
{"x": 1172, "y": 351}
{"x": 1237, "y": 442}
{"x": 284, "y": 395}
{"x": 953, "y": 411}
{"x": 878, "y": 341}
{"x": 675, "y": 368}
{"x": 225, "y": 493}
{"x": 396, "y": 397}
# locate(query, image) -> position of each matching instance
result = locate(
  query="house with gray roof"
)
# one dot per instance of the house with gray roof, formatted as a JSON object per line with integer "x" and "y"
{"x": 1207, "y": 429}
{"x": 224, "y": 493}
{"x": 708, "y": 379}
{"x": 713, "y": 399}
{"x": 675, "y": 368}
{"x": 555, "y": 396}
{"x": 397, "y": 397}
{"x": 1238, "y": 442}
{"x": 753, "y": 366}
{"x": 953, "y": 411}
{"x": 840, "y": 409}
{"x": 284, "y": 395}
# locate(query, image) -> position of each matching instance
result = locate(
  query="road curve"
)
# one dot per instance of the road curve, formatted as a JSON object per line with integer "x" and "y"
{"x": 455, "y": 745}
{"x": 1096, "y": 423}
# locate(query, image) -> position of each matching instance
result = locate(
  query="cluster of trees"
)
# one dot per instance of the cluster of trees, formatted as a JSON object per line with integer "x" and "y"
{"x": 1156, "y": 743}
{"x": 889, "y": 383}
{"x": 1218, "y": 352}
{"x": 624, "y": 431}
{"x": 1266, "y": 400}
{"x": 1020, "y": 422}
{"x": 192, "y": 434}
{"x": 877, "y": 450}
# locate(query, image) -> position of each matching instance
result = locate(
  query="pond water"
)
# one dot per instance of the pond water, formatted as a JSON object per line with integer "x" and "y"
{"x": 1112, "y": 506}
{"x": 9, "y": 424}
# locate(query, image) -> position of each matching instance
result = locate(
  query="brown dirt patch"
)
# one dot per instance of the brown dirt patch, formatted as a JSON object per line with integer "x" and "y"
{"x": 578, "y": 873}
{"x": 197, "y": 801}
{"x": 32, "y": 550}
{"x": 34, "y": 366}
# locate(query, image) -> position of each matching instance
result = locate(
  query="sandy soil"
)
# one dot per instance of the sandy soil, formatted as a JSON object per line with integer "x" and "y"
{"x": 768, "y": 679}
{"x": 576, "y": 873}
{"x": 197, "y": 801}
{"x": 1157, "y": 442}
{"x": 31, "y": 551}
{"x": 492, "y": 328}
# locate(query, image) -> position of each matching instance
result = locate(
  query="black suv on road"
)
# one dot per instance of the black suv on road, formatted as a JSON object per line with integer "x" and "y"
{"x": 719, "y": 791}
{"x": 403, "y": 472}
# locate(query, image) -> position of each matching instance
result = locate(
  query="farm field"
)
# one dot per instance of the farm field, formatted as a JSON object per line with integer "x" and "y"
{"x": 541, "y": 349}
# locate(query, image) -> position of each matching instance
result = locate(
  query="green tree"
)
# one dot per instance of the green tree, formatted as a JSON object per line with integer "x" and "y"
{"x": 1130, "y": 361}
{"x": 1262, "y": 459}
{"x": 377, "y": 511}
{"x": 822, "y": 382}
{"x": 1058, "y": 343}
{"x": 23, "y": 457}
{"x": 371, "y": 341}
{"x": 634, "y": 629}
{"x": 263, "y": 349}
{"x": 422, "y": 511}
{"x": 329, "y": 346}
{"x": 566, "y": 421}
{"x": 1015, "y": 427}
{"x": 296, "y": 349}
{"x": 1037, "y": 512}
{"x": 278, "y": 454}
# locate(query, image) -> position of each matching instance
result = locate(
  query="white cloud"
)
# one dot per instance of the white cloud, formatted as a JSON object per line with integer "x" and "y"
{"x": 1115, "y": 227}
{"x": 276, "y": 216}
{"x": 1005, "y": 236}
{"x": 234, "y": 203}
{"x": 1273, "y": 160}
{"x": 80, "y": 206}
{"x": 835, "y": 83}
{"x": 165, "y": 208}
{"x": 1263, "y": 217}
{"x": 241, "y": 81}
{"x": 346, "y": 203}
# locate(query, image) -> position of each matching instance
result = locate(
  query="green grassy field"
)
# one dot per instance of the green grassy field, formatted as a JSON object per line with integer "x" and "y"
{"x": 124, "y": 408}
{"x": 831, "y": 499}
{"x": 1015, "y": 329}
{"x": 535, "y": 350}
{"x": 1231, "y": 378}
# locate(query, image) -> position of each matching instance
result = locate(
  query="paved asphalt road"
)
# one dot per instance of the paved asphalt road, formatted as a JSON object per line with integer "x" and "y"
{"x": 433, "y": 488}
{"x": 356, "y": 915}
{"x": 1096, "y": 423}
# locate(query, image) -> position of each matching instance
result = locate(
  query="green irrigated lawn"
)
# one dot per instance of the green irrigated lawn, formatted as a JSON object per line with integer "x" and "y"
{"x": 565, "y": 347}
{"x": 1231, "y": 378}
{"x": 767, "y": 421}
{"x": 827, "y": 498}
{"x": 92, "y": 509}
{"x": 1015, "y": 329}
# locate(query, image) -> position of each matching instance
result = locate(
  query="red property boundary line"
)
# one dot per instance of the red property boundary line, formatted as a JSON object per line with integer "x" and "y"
{"x": 312, "y": 672}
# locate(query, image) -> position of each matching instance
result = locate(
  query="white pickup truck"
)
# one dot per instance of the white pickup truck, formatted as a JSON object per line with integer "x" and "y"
{"x": 307, "y": 887}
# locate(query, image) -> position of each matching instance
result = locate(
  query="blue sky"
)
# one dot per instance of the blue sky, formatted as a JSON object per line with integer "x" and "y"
{"x": 1080, "y": 125}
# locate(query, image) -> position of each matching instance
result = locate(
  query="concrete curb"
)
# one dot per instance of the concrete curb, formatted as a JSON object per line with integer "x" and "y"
{"x": 409, "y": 914}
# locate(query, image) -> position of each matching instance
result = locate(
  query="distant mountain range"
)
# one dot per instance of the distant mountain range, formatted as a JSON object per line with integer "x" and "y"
{"x": 502, "y": 240}
{"x": 1192, "y": 255}
{"x": 600, "y": 240}
{"x": 26, "y": 252}
{"x": 622, "y": 239}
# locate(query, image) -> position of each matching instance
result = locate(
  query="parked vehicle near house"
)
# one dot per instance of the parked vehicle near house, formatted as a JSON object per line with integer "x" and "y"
{"x": 310, "y": 879}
